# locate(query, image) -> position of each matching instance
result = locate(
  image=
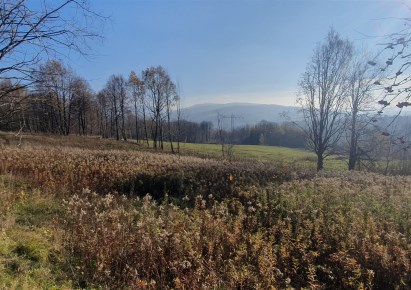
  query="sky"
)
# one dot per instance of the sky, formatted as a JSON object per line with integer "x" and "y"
{"x": 221, "y": 51}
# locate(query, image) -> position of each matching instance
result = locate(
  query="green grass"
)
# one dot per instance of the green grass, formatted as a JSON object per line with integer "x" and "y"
{"x": 299, "y": 158}
{"x": 295, "y": 157}
{"x": 292, "y": 156}
{"x": 29, "y": 256}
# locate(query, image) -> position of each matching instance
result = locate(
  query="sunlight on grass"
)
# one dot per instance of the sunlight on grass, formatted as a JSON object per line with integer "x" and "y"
{"x": 297, "y": 157}
{"x": 28, "y": 258}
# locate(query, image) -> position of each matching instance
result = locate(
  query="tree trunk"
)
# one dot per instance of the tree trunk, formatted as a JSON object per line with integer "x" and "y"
{"x": 145, "y": 125}
{"x": 352, "y": 159}
{"x": 135, "y": 111}
{"x": 123, "y": 126}
{"x": 320, "y": 161}
{"x": 169, "y": 127}
{"x": 116, "y": 124}
{"x": 155, "y": 133}
{"x": 161, "y": 136}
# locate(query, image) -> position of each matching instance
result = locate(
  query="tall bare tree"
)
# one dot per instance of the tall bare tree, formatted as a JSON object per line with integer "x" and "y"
{"x": 361, "y": 85}
{"x": 178, "y": 121}
{"x": 116, "y": 91}
{"x": 159, "y": 91}
{"x": 172, "y": 99}
{"x": 323, "y": 91}
{"x": 81, "y": 104}
{"x": 137, "y": 89}
{"x": 103, "y": 112}
{"x": 54, "y": 82}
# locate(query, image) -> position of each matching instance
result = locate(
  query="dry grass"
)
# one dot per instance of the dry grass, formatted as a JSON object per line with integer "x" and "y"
{"x": 205, "y": 224}
{"x": 136, "y": 173}
{"x": 349, "y": 232}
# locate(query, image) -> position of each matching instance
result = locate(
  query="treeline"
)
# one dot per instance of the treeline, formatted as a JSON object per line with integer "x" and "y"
{"x": 142, "y": 107}
{"x": 61, "y": 102}
{"x": 271, "y": 134}
{"x": 263, "y": 133}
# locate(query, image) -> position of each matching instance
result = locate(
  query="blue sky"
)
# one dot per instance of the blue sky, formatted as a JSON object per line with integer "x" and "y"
{"x": 221, "y": 51}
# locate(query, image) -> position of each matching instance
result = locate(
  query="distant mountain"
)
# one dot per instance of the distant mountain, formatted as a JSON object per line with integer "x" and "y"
{"x": 245, "y": 113}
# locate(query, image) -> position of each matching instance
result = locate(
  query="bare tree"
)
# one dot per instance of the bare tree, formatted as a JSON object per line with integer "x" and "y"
{"x": 81, "y": 103}
{"x": 172, "y": 99}
{"x": 122, "y": 86}
{"x": 116, "y": 93}
{"x": 31, "y": 32}
{"x": 103, "y": 113}
{"x": 225, "y": 136}
{"x": 159, "y": 92}
{"x": 322, "y": 95}
{"x": 12, "y": 99}
{"x": 137, "y": 92}
{"x": 361, "y": 85}
{"x": 178, "y": 129}
{"x": 54, "y": 83}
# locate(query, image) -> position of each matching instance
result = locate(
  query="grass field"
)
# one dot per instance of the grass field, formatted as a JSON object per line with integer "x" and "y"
{"x": 75, "y": 214}
{"x": 292, "y": 156}
{"x": 298, "y": 158}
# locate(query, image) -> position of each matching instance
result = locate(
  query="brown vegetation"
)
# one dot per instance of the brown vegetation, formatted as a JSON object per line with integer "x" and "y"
{"x": 349, "y": 232}
{"x": 143, "y": 220}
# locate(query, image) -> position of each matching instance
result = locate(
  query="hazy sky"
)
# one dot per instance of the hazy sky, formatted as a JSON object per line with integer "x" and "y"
{"x": 230, "y": 50}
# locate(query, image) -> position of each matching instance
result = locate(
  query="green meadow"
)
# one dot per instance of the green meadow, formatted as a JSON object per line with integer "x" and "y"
{"x": 299, "y": 158}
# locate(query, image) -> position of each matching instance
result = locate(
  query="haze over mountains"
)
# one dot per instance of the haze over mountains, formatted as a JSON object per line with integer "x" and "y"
{"x": 244, "y": 113}
{"x": 251, "y": 114}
